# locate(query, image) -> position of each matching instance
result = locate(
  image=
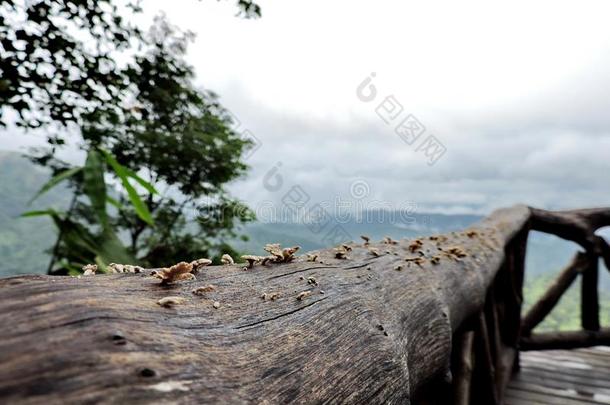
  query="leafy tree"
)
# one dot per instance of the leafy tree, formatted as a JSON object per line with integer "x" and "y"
{"x": 142, "y": 124}
{"x": 59, "y": 57}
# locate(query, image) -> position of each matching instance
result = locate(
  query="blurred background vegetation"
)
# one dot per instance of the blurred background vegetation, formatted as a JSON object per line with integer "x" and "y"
{"x": 157, "y": 150}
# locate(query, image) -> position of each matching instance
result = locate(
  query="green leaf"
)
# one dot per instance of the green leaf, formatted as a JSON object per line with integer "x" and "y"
{"x": 110, "y": 249}
{"x": 101, "y": 266}
{"x": 114, "y": 202}
{"x": 82, "y": 244}
{"x": 75, "y": 237}
{"x": 128, "y": 172}
{"x": 55, "y": 180}
{"x": 72, "y": 269}
{"x": 138, "y": 204}
{"x": 148, "y": 186}
{"x": 94, "y": 185}
{"x": 38, "y": 213}
{"x": 123, "y": 173}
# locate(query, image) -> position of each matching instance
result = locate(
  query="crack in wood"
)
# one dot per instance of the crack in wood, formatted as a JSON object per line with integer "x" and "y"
{"x": 83, "y": 320}
{"x": 302, "y": 270}
{"x": 280, "y": 315}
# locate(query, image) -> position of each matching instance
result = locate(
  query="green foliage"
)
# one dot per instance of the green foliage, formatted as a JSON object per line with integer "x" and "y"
{"x": 55, "y": 180}
{"x": 124, "y": 174}
{"x": 80, "y": 245}
{"x": 59, "y": 57}
{"x": 142, "y": 124}
{"x": 94, "y": 185}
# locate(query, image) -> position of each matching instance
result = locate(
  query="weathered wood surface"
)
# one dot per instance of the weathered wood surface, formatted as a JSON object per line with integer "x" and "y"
{"x": 576, "y": 225}
{"x": 562, "y": 377}
{"x": 463, "y": 367}
{"x": 566, "y": 340}
{"x": 376, "y": 334}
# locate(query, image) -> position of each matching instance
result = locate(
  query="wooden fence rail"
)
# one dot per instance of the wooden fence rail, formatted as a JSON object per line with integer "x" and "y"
{"x": 431, "y": 320}
{"x": 580, "y": 227}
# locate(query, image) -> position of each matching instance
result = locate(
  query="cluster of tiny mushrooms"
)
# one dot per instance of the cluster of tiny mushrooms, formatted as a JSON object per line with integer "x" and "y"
{"x": 185, "y": 271}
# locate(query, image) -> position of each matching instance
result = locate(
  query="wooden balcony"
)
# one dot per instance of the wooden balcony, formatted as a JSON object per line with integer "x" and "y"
{"x": 567, "y": 377}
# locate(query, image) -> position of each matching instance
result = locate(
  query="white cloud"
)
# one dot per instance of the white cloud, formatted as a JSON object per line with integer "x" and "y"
{"x": 518, "y": 93}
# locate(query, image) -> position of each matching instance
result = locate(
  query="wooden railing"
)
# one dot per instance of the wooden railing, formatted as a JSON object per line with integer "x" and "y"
{"x": 586, "y": 266}
{"x": 578, "y": 226}
{"x": 486, "y": 349}
{"x": 434, "y": 320}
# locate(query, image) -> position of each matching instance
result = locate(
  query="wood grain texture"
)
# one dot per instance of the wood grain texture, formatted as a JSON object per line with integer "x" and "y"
{"x": 464, "y": 366}
{"x": 366, "y": 333}
{"x": 566, "y": 340}
{"x": 576, "y": 225}
{"x": 562, "y": 377}
{"x": 375, "y": 335}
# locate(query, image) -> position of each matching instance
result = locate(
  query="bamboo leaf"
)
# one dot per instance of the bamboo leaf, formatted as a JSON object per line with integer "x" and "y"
{"x": 110, "y": 249}
{"x": 55, "y": 180}
{"x": 83, "y": 244}
{"x": 39, "y": 213}
{"x": 138, "y": 204}
{"x": 101, "y": 266}
{"x": 127, "y": 172}
{"x": 94, "y": 185}
{"x": 148, "y": 186}
{"x": 122, "y": 172}
{"x": 114, "y": 202}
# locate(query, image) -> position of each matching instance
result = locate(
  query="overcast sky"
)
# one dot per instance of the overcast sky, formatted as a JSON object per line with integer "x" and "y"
{"x": 518, "y": 95}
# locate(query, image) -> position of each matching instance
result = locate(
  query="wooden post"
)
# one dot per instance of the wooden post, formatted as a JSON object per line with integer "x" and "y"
{"x": 589, "y": 310}
{"x": 495, "y": 333}
{"x": 463, "y": 370}
{"x": 486, "y": 364}
{"x": 515, "y": 266}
